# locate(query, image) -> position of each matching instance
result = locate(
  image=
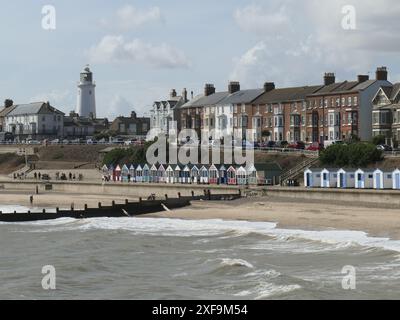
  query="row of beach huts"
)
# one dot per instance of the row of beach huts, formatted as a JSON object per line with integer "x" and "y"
{"x": 352, "y": 178}
{"x": 253, "y": 174}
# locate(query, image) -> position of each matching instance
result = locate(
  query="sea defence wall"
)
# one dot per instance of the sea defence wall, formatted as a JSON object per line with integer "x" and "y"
{"x": 121, "y": 189}
{"x": 370, "y": 198}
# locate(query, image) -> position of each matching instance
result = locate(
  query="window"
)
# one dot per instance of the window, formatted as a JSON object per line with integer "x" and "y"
{"x": 349, "y": 101}
{"x": 370, "y": 176}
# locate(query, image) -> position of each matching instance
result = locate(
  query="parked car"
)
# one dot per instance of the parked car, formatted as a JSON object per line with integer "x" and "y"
{"x": 385, "y": 147}
{"x": 45, "y": 177}
{"x": 271, "y": 144}
{"x": 299, "y": 145}
{"x": 315, "y": 147}
{"x": 55, "y": 141}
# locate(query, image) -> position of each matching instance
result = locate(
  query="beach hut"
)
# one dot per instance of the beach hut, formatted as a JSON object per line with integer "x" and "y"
{"x": 161, "y": 174}
{"x": 231, "y": 176}
{"x": 329, "y": 178}
{"x": 125, "y": 173}
{"x": 132, "y": 173}
{"x": 177, "y": 174}
{"x": 346, "y": 178}
{"x": 169, "y": 175}
{"x": 241, "y": 176}
{"x": 139, "y": 173}
{"x": 364, "y": 179}
{"x": 213, "y": 175}
{"x": 195, "y": 174}
{"x": 252, "y": 177}
{"x": 312, "y": 178}
{"x": 382, "y": 179}
{"x": 153, "y": 174}
{"x": 117, "y": 173}
{"x": 223, "y": 175}
{"x": 396, "y": 179}
{"x": 111, "y": 172}
{"x": 204, "y": 175}
{"x": 186, "y": 178}
{"x": 146, "y": 173}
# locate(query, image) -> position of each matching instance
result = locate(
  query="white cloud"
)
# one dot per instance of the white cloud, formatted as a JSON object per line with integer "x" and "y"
{"x": 296, "y": 41}
{"x": 129, "y": 17}
{"x": 115, "y": 49}
{"x": 255, "y": 18}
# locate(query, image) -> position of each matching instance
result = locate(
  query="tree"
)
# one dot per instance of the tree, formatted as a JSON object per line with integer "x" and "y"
{"x": 380, "y": 139}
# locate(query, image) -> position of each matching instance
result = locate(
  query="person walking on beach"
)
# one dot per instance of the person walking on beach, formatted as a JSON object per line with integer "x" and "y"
{"x": 31, "y": 200}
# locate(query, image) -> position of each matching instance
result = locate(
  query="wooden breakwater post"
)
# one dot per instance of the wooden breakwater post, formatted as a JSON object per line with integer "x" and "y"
{"x": 100, "y": 206}
{"x": 113, "y": 203}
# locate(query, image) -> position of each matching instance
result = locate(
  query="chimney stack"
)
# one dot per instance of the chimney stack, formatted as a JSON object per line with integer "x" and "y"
{"x": 209, "y": 89}
{"x": 233, "y": 87}
{"x": 185, "y": 95}
{"x": 8, "y": 103}
{"x": 362, "y": 78}
{"x": 269, "y": 86}
{"x": 173, "y": 93}
{"x": 381, "y": 73}
{"x": 329, "y": 78}
{"x": 133, "y": 115}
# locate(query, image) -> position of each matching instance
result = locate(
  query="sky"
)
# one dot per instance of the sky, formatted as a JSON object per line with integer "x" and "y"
{"x": 140, "y": 50}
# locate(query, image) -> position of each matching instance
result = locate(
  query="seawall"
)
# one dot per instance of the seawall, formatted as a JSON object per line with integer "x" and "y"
{"x": 143, "y": 190}
{"x": 370, "y": 198}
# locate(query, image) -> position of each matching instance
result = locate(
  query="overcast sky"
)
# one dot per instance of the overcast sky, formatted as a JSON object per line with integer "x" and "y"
{"x": 139, "y": 50}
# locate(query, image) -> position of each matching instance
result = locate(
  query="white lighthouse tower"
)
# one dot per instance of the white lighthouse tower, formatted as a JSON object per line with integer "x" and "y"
{"x": 86, "y": 106}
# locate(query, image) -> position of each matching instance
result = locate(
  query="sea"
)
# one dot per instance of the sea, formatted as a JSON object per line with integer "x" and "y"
{"x": 151, "y": 258}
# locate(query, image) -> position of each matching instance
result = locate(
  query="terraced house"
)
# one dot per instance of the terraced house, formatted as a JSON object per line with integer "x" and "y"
{"x": 386, "y": 114}
{"x": 343, "y": 110}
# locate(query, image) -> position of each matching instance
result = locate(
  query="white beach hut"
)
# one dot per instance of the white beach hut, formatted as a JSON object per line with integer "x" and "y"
{"x": 195, "y": 174}
{"x": 178, "y": 174}
{"x": 169, "y": 175}
{"x": 312, "y": 178}
{"x": 161, "y": 174}
{"x": 186, "y": 175}
{"x": 396, "y": 179}
{"x": 204, "y": 175}
{"x": 139, "y": 173}
{"x": 382, "y": 179}
{"x": 329, "y": 178}
{"x": 364, "y": 179}
{"x": 346, "y": 178}
{"x": 132, "y": 173}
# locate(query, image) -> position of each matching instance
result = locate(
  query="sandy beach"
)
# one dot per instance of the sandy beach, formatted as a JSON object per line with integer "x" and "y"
{"x": 291, "y": 214}
{"x": 287, "y": 213}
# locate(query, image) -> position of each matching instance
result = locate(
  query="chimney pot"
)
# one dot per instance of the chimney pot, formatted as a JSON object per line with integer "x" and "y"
{"x": 173, "y": 93}
{"x": 209, "y": 89}
{"x": 381, "y": 74}
{"x": 233, "y": 87}
{"x": 329, "y": 78}
{"x": 362, "y": 78}
{"x": 269, "y": 86}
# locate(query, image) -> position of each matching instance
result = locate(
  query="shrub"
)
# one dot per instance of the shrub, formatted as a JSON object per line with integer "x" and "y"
{"x": 352, "y": 155}
{"x": 377, "y": 140}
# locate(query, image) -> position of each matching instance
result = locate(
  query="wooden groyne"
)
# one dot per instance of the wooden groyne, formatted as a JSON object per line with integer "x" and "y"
{"x": 127, "y": 209}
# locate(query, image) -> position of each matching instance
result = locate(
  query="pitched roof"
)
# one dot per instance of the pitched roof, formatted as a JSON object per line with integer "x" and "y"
{"x": 242, "y": 96}
{"x": 34, "y": 108}
{"x": 286, "y": 94}
{"x": 203, "y": 101}
{"x": 5, "y": 111}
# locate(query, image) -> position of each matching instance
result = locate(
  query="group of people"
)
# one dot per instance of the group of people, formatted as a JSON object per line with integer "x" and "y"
{"x": 61, "y": 176}
{"x": 19, "y": 176}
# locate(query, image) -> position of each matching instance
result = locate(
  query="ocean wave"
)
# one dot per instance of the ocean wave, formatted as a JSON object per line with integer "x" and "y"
{"x": 332, "y": 239}
{"x": 236, "y": 263}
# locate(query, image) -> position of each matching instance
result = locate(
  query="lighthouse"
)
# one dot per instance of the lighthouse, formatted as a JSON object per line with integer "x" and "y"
{"x": 86, "y": 106}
